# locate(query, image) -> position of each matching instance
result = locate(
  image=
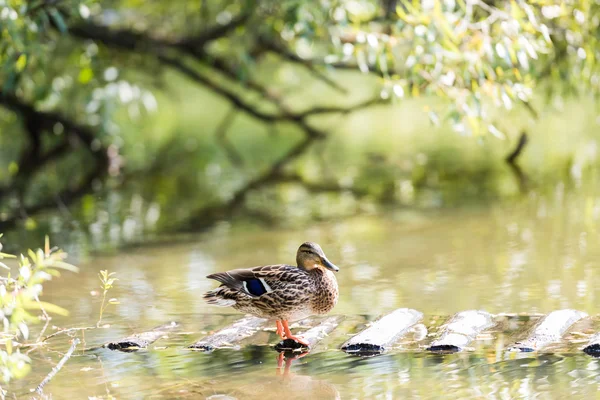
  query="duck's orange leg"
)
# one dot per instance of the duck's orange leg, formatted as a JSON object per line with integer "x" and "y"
{"x": 280, "y": 330}
{"x": 288, "y": 334}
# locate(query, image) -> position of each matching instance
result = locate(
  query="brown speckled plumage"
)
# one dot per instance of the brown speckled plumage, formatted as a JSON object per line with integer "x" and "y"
{"x": 283, "y": 292}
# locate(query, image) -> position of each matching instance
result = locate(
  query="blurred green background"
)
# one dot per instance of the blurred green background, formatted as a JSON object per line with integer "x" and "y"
{"x": 123, "y": 120}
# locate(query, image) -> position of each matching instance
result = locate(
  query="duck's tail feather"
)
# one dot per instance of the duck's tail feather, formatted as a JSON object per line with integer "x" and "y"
{"x": 232, "y": 287}
{"x": 232, "y": 279}
{"x": 218, "y": 297}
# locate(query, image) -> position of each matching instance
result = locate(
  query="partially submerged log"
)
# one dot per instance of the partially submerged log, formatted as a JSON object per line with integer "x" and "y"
{"x": 312, "y": 336}
{"x": 141, "y": 340}
{"x": 230, "y": 335}
{"x": 461, "y": 330}
{"x": 548, "y": 330}
{"x": 383, "y": 333}
{"x": 592, "y": 347}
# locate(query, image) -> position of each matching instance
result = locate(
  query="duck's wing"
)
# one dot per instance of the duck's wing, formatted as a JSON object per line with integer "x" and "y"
{"x": 260, "y": 280}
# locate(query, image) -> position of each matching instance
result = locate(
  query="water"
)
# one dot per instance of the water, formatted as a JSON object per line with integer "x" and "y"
{"x": 534, "y": 255}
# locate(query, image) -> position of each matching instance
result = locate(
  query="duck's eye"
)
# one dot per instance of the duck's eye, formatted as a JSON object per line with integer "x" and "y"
{"x": 307, "y": 251}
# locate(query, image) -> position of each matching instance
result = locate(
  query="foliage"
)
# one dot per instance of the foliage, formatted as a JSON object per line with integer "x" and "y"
{"x": 477, "y": 54}
{"x": 19, "y": 296}
{"x": 76, "y": 75}
{"x": 39, "y": 66}
{"x": 106, "y": 283}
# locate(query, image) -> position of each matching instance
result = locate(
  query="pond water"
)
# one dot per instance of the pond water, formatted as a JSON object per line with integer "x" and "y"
{"x": 534, "y": 255}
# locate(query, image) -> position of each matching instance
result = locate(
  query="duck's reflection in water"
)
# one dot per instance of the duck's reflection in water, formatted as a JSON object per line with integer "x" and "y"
{"x": 285, "y": 384}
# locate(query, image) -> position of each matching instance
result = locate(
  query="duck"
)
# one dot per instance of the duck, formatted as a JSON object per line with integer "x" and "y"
{"x": 282, "y": 292}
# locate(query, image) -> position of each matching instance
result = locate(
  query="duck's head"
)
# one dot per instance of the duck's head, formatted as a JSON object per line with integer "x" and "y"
{"x": 310, "y": 256}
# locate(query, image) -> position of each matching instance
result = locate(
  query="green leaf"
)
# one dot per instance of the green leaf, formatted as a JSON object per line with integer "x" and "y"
{"x": 85, "y": 75}
{"x": 21, "y": 62}
{"x": 49, "y": 307}
{"x": 13, "y": 168}
{"x": 32, "y": 256}
{"x": 40, "y": 255}
{"x": 30, "y": 224}
{"x": 65, "y": 266}
{"x": 53, "y": 272}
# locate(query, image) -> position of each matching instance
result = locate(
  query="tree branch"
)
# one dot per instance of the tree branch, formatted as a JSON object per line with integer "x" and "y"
{"x": 49, "y": 118}
{"x": 213, "y": 213}
{"x": 128, "y": 40}
{"x": 197, "y": 43}
{"x": 40, "y": 389}
{"x": 512, "y": 157}
{"x": 45, "y": 121}
{"x": 310, "y": 65}
{"x": 221, "y": 135}
{"x": 169, "y": 54}
{"x": 230, "y": 95}
{"x": 321, "y": 187}
{"x": 319, "y": 110}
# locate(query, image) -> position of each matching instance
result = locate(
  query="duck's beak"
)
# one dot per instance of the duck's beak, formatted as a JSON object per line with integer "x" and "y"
{"x": 329, "y": 265}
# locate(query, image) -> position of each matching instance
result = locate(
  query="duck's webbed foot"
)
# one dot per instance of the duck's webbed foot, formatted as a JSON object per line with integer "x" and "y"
{"x": 299, "y": 340}
{"x": 288, "y": 335}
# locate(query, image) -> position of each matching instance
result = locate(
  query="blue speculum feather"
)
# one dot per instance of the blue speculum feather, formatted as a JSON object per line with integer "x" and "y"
{"x": 255, "y": 287}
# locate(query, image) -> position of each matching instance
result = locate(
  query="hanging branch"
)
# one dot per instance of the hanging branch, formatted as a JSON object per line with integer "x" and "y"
{"x": 512, "y": 157}
{"x": 221, "y": 135}
{"x": 215, "y": 212}
{"x": 310, "y": 65}
{"x": 33, "y": 160}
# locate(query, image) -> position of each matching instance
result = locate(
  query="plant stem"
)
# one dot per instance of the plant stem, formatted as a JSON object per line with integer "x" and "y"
{"x": 101, "y": 308}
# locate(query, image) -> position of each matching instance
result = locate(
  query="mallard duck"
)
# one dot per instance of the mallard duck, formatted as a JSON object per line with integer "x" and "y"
{"x": 281, "y": 292}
